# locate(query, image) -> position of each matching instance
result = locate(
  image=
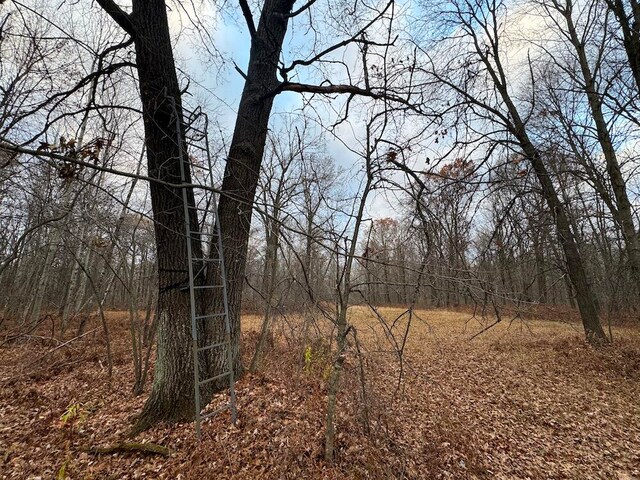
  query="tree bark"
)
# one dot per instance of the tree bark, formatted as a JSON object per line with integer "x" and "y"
{"x": 575, "y": 266}
{"x": 172, "y": 394}
{"x": 172, "y": 397}
{"x": 624, "y": 213}
{"x": 245, "y": 154}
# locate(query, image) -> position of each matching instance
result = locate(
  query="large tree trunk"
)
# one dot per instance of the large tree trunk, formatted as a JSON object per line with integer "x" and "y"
{"x": 172, "y": 394}
{"x": 245, "y": 154}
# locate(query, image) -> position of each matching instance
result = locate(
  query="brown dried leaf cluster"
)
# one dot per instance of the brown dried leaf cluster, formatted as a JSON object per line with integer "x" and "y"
{"x": 524, "y": 400}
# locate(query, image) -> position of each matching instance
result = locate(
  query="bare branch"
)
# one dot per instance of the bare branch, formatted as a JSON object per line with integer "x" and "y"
{"x": 302, "y": 9}
{"x": 344, "y": 89}
{"x": 118, "y": 15}
{"x": 248, "y": 16}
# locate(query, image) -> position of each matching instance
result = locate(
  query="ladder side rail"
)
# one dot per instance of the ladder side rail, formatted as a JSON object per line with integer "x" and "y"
{"x": 203, "y": 134}
{"x": 223, "y": 273}
{"x": 212, "y": 204}
{"x": 192, "y": 296}
{"x": 227, "y": 326}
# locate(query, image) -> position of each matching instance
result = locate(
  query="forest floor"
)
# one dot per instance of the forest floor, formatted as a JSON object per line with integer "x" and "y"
{"x": 524, "y": 400}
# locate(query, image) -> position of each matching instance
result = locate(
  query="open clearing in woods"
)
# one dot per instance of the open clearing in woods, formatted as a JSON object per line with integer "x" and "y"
{"x": 523, "y": 400}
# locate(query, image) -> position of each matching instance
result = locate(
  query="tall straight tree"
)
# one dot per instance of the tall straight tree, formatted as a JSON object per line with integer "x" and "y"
{"x": 171, "y": 397}
{"x": 479, "y": 83}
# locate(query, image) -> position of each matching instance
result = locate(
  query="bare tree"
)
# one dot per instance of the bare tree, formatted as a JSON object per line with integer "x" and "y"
{"x": 478, "y": 82}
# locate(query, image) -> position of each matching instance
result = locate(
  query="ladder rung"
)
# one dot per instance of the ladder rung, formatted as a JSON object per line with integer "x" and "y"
{"x": 195, "y": 135}
{"x": 215, "y": 411}
{"x": 207, "y": 287}
{"x": 191, "y": 115}
{"x": 199, "y": 209}
{"x": 205, "y": 259}
{"x": 191, "y": 128}
{"x": 213, "y": 379}
{"x": 211, "y": 347}
{"x": 202, "y": 234}
{"x": 211, "y": 315}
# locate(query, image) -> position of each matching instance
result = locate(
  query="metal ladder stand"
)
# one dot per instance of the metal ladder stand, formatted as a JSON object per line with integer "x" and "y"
{"x": 196, "y": 137}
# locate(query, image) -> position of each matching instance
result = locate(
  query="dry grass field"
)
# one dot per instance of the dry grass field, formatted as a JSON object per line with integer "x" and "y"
{"x": 524, "y": 400}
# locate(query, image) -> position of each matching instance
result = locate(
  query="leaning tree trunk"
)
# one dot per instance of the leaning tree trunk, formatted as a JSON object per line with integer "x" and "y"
{"x": 623, "y": 214}
{"x": 245, "y": 154}
{"x": 575, "y": 265}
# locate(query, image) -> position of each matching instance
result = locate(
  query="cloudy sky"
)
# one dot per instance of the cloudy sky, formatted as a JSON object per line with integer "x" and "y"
{"x": 219, "y": 87}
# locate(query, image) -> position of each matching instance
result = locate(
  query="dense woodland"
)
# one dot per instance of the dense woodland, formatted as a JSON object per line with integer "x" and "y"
{"x": 477, "y": 156}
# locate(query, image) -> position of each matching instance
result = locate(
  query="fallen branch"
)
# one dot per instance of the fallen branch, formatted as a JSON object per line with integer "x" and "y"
{"x": 46, "y": 354}
{"x": 64, "y": 344}
{"x": 488, "y": 327}
{"x": 150, "y": 448}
